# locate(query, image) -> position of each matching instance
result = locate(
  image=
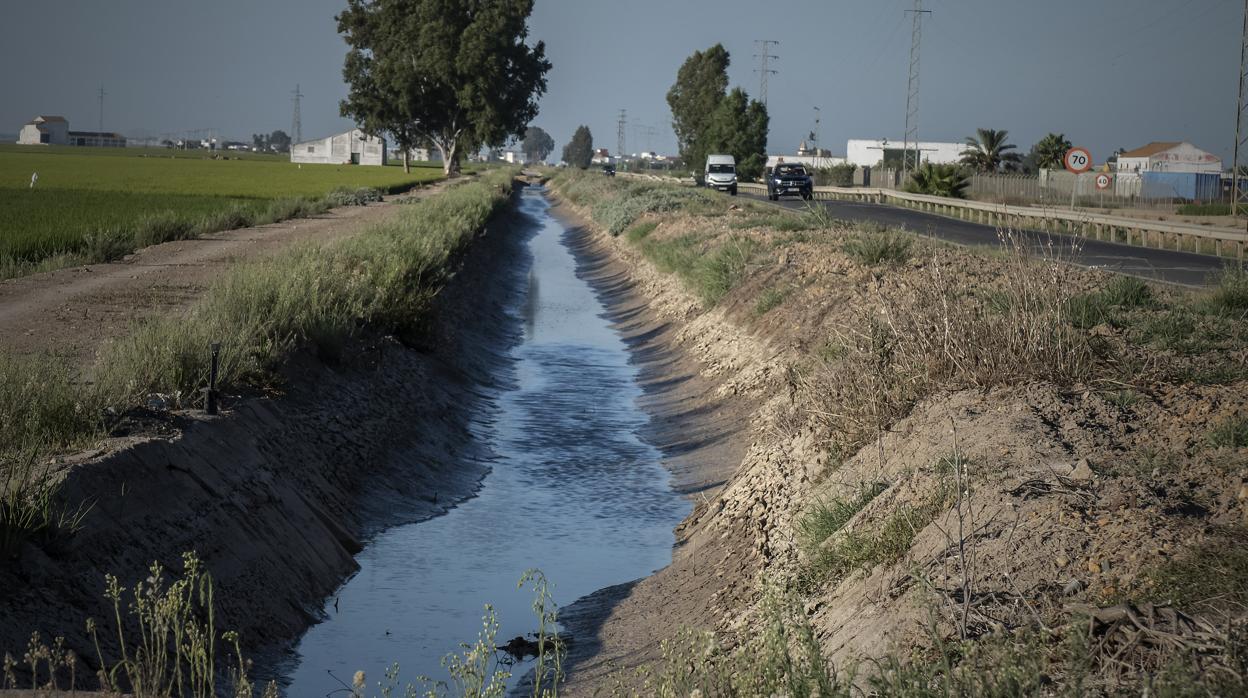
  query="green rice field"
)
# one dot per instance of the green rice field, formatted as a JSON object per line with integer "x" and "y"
{"x": 85, "y": 194}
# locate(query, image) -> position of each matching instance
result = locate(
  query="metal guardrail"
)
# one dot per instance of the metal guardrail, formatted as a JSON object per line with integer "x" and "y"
{"x": 1163, "y": 235}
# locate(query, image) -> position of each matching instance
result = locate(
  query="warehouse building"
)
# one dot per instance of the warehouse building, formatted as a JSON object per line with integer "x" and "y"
{"x": 54, "y": 130}
{"x": 868, "y": 153}
{"x": 353, "y": 147}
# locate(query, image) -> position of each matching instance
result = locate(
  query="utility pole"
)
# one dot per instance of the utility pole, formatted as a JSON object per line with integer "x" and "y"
{"x": 912, "y": 93}
{"x": 102, "y": 93}
{"x": 619, "y": 135}
{"x": 818, "y": 161}
{"x": 296, "y": 124}
{"x": 1239, "y": 193}
{"x": 764, "y": 70}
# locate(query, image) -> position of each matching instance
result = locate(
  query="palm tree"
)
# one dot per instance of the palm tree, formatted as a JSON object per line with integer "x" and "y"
{"x": 1050, "y": 152}
{"x": 938, "y": 180}
{"x": 986, "y": 151}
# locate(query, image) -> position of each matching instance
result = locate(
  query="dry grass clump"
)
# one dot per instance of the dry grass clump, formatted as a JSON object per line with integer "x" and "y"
{"x": 943, "y": 334}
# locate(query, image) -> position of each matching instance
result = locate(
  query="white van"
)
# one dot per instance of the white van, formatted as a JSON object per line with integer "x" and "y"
{"x": 721, "y": 173}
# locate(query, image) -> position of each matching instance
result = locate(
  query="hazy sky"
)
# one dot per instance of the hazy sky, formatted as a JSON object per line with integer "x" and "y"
{"x": 1107, "y": 73}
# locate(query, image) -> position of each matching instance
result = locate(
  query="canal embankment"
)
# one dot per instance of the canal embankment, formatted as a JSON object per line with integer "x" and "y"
{"x": 343, "y": 436}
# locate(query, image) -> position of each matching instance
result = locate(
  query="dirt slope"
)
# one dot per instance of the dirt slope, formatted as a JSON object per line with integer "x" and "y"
{"x": 1018, "y": 506}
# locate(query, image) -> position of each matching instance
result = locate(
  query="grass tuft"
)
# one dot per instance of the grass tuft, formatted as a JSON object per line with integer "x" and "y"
{"x": 891, "y": 247}
{"x": 1230, "y": 433}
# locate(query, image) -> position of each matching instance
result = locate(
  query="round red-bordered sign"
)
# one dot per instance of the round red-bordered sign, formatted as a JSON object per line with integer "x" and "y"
{"x": 1078, "y": 160}
{"x": 1103, "y": 181}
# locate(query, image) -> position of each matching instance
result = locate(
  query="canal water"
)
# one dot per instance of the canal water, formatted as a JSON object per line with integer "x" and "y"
{"x": 573, "y": 491}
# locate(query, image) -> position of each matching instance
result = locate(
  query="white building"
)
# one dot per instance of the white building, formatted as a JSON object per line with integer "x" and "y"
{"x": 1169, "y": 156}
{"x": 351, "y": 148}
{"x": 869, "y": 153}
{"x": 54, "y": 130}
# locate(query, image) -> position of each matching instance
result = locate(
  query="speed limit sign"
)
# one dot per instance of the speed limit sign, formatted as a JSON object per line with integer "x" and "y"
{"x": 1078, "y": 160}
{"x": 1103, "y": 181}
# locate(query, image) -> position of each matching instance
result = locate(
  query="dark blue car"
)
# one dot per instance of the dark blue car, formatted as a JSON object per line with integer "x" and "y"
{"x": 789, "y": 180}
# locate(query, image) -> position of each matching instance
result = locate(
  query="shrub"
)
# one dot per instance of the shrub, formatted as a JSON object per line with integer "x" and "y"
{"x": 939, "y": 180}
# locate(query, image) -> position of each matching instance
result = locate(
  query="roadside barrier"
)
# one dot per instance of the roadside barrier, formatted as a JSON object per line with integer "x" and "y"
{"x": 1162, "y": 235}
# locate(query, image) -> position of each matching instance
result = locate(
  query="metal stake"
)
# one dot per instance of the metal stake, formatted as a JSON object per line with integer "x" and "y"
{"x": 210, "y": 394}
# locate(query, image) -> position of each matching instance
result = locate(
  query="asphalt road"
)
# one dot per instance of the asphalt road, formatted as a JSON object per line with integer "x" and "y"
{"x": 1185, "y": 268}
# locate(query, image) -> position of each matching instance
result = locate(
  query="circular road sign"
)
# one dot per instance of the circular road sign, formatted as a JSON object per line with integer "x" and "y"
{"x": 1078, "y": 160}
{"x": 1103, "y": 181}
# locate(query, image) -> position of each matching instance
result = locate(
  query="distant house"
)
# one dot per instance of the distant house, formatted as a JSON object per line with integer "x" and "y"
{"x": 353, "y": 147}
{"x": 1169, "y": 156}
{"x": 54, "y": 130}
{"x": 814, "y": 157}
{"x": 601, "y": 156}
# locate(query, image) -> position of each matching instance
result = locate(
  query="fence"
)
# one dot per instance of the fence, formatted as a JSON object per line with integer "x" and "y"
{"x": 1059, "y": 188}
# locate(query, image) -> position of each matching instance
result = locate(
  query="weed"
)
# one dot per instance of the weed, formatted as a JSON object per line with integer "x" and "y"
{"x": 892, "y": 247}
{"x": 1182, "y": 331}
{"x": 828, "y": 517}
{"x": 1122, "y": 399}
{"x": 1230, "y": 433}
{"x": 770, "y": 299}
{"x": 164, "y": 226}
{"x": 638, "y": 232}
{"x": 1230, "y": 293}
{"x": 1211, "y": 575}
{"x": 106, "y": 245}
{"x": 1128, "y": 292}
{"x": 718, "y": 272}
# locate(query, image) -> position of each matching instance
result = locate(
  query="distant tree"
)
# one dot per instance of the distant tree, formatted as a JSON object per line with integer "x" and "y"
{"x": 938, "y": 180}
{"x": 738, "y": 126}
{"x": 1050, "y": 152}
{"x": 709, "y": 119}
{"x": 701, "y": 84}
{"x": 986, "y": 151}
{"x": 537, "y": 144}
{"x": 260, "y": 142}
{"x": 279, "y": 141}
{"x": 580, "y": 150}
{"x": 457, "y": 74}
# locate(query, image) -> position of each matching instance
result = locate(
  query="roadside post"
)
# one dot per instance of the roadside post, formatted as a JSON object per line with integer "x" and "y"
{"x": 210, "y": 393}
{"x": 1078, "y": 161}
{"x": 1103, "y": 180}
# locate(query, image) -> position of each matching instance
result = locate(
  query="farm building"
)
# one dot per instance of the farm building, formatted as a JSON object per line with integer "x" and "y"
{"x": 54, "y": 130}
{"x": 867, "y": 153}
{"x": 1169, "y": 156}
{"x": 353, "y": 147}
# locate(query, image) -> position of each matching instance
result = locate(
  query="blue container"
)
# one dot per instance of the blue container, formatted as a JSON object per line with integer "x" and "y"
{"x": 1188, "y": 186}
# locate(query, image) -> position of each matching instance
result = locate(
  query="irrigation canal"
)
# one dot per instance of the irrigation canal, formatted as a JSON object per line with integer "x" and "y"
{"x": 573, "y": 491}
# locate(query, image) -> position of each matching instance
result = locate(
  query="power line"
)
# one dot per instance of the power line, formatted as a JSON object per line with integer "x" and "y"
{"x": 1239, "y": 194}
{"x": 296, "y": 122}
{"x": 102, "y": 94}
{"x": 912, "y": 92}
{"x": 764, "y": 70}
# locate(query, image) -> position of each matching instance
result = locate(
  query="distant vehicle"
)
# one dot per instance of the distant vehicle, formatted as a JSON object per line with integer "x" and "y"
{"x": 788, "y": 180}
{"x": 608, "y": 170}
{"x": 721, "y": 173}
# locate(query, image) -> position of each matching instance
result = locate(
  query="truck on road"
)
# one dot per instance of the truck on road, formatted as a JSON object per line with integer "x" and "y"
{"x": 721, "y": 173}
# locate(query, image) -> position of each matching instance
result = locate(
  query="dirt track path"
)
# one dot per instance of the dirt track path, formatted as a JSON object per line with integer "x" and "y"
{"x": 71, "y": 312}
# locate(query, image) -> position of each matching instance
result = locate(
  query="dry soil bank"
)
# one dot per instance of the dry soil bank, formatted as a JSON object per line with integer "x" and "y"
{"x": 1023, "y": 505}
